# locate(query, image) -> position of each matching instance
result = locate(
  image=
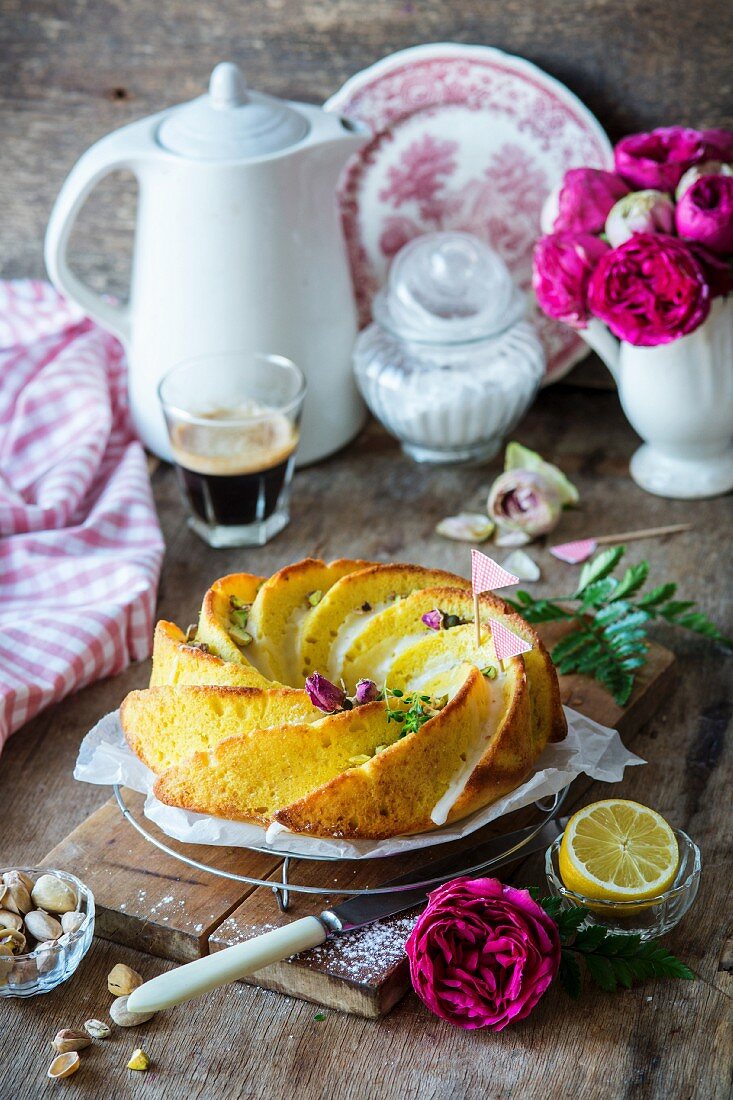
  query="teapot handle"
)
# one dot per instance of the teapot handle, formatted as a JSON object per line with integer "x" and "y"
{"x": 120, "y": 150}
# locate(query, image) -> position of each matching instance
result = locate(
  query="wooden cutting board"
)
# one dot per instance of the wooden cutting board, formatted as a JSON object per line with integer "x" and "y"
{"x": 150, "y": 900}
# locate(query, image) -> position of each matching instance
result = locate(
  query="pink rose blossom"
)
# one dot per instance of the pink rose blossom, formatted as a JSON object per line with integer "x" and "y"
{"x": 482, "y": 954}
{"x": 705, "y": 213}
{"x": 650, "y": 290}
{"x": 659, "y": 158}
{"x": 584, "y": 199}
{"x": 563, "y": 263}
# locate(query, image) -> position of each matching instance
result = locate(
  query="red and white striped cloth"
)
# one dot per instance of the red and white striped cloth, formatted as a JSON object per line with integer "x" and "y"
{"x": 80, "y": 545}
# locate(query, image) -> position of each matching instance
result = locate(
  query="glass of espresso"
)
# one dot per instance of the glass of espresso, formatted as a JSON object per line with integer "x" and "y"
{"x": 233, "y": 422}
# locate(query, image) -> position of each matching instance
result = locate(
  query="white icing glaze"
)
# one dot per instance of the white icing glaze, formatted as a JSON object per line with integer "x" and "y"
{"x": 442, "y": 807}
{"x": 351, "y": 628}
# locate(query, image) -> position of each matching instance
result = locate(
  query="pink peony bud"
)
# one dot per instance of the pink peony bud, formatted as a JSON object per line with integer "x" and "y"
{"x": 582, "y": 201}
{"x": 524, "y": 502}
{"x": 660, "y": 158}
{"x": 707, "y": 168}
{"x": 366, "y": 692}
{"x": 705, "y": 213}
{"x": 323, "y": 694}
{"x": 640, "y": 212}
{"x": 563, "y": 264}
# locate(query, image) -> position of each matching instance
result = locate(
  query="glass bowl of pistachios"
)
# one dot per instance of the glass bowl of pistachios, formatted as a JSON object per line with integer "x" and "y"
{"x": 46, "y": 928}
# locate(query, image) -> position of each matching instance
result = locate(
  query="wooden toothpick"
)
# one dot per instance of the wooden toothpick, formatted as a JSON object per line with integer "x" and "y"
{"x": 649, "y": 532}
{"x": 477, "y": 618}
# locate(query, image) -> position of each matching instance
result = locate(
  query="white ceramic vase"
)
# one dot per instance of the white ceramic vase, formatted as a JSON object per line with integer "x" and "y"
{"x": 679, "y": 398}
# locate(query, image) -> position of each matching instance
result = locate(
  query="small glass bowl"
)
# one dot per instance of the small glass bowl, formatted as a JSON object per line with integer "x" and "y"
{"x": 41, "y": 971}
{"x": 649, "y": 919}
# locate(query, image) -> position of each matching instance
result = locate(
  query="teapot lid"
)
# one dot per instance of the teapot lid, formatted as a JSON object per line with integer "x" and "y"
{"x": 230, "y": 122}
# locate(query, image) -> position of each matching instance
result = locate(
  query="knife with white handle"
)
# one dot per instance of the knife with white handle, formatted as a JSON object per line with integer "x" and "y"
{"x": 211, "y": 971}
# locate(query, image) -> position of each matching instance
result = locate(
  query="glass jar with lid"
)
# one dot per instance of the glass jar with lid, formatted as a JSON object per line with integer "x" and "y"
{"x": 449, "y": 363}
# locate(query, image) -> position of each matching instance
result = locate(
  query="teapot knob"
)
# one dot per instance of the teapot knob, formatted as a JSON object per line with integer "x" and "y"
{"x": 227, "y": 87}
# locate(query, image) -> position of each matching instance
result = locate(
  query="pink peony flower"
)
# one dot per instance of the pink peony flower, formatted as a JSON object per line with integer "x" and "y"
{"x": 640, "y": 212}
{"x": 482, "y": 954}
{"x": 650, "y": 290}
{"x": 659, "y": 158}
{"x": 705, "y": 213}
{"x": 583, "y": 200}
{"x": 706, "y": 168}
{"x": 323, "y": 694}
{"x": 563, "y": 263}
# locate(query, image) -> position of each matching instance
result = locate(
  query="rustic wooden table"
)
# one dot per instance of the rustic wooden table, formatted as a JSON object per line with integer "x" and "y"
{"x": 667, "y": 1039}
{"x": 70, "y": 71}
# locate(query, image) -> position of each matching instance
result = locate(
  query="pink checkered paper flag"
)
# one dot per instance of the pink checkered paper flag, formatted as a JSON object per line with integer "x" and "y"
{"x": 506, "y": 642}
{"x": 487, "y": 575}
{"x": 574, "y": 553}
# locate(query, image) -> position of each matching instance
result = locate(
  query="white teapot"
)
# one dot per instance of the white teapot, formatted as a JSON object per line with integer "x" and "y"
{"x": 238, "y": 247}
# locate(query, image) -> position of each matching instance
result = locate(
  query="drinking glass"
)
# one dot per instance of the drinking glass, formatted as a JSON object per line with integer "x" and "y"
{"x": 233, "y": 421}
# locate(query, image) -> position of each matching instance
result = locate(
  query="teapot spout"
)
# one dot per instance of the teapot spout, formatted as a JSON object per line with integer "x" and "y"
{"x": 604, "y": 343}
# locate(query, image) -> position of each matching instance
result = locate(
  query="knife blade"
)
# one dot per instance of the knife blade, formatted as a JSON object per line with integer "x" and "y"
{"x": 243, "y": 959}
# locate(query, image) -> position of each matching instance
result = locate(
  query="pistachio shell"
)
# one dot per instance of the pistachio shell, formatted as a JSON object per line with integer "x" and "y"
{"x": 3, "y": 891}
{"x": 120, "y": 1014}
{"x": 24, "y": 970}
{"x": 10, "y": 920}
{"x": 98, "y": 1029}
{"x": 15, "y": 940}
{"x": 17, "y": 899}
{"x": 54, "y": 895}
{"x": 466, "y": 527}
{"x": 67, "y": 1039}
{"x": 64, "y": 1065}
{"x": 522, "y": 566}
{"x": 46, "y": 955}
{"x": 72, "y": 922}
{"x": 11, "y": 877}
{"x": 122, "y": 979}
{"x": 42, "y": 926}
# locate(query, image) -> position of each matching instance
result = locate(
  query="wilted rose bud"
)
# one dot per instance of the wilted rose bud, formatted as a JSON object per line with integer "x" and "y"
{"x": 640, "y": 212}
{"x": 366, "y": 692}
{"x": 323, "y": 694}
{"x": 708, "y": 168}
{"x": 524, "y": 502}
{"x": 433, "y": 619}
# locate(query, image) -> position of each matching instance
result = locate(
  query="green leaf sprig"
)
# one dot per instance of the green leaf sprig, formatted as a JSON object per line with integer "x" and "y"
{"x": 610, "y": 959}
{"x": 610, "y": 617}
{"x": 415, "y": 711}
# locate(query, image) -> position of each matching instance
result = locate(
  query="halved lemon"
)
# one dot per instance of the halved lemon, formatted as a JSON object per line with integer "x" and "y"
{"x": 616, "y": 850}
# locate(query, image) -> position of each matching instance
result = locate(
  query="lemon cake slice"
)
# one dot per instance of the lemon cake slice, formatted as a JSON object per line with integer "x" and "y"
{"x": 281, "y": 606}
{"x": 179, "y": 661}
{"x": 164, "y": 725}
{"x": 352, "y": 602}
{"x": 441, "y": 765}
{"x": 249, "y": 776}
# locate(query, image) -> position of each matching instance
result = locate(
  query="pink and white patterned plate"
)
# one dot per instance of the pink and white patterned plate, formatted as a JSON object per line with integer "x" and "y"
{"x": 465, "y": 137}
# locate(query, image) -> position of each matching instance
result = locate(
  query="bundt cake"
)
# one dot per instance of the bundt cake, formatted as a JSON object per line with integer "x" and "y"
{"x": 343, "y": 699}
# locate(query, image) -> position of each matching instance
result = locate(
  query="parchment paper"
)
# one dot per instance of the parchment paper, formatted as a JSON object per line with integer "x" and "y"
{"x": 105, "y": 758}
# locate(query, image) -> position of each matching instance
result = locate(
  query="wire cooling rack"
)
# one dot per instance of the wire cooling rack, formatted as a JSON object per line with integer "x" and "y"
{"x": 546, "y": 811}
